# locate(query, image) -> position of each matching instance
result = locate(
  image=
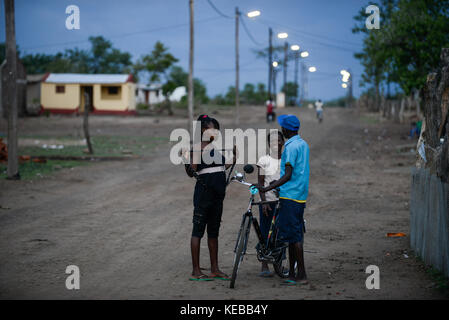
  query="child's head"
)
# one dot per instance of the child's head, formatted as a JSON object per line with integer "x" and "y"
{"x": 209, "y": 127}
{"x": 275, "y": 141}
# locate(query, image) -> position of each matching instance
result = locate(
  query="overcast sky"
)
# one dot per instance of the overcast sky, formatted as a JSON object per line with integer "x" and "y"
{"x": 322, "y": 27}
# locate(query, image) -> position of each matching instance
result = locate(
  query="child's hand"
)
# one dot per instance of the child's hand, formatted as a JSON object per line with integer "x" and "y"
{"x": 266, "y": 209}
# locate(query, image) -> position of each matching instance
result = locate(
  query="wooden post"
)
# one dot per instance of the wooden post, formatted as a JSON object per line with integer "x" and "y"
{"x": 86, "y": 122}
{"x": 11, "y": 94}
{"x": 190, "y": 79}
{"x": 270, "y": 61}
{"x": 285, "y": 72}
{"x": 237, "y": 84}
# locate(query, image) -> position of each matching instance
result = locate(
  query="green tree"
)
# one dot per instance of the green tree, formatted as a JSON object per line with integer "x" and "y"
{"x": 179, "y": 77}
{"x": 291, "y": 89}
{"x": 158, "y": 63}
{"x": 103, "y": 57}
{"x": 408, "y": 44}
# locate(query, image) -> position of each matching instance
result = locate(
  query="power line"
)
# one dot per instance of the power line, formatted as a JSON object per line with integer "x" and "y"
{"x": 218, "y": 11}
{"x": 313, "y": 34}
{"x": 249, "y": 33}
{"x": 121, "y": 35}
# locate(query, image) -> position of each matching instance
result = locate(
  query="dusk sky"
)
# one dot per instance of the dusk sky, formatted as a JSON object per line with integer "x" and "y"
{"x": 321, "y": 27}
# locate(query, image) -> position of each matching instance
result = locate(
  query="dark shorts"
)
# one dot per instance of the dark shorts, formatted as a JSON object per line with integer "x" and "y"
{"x": 208, "y": 205}
{"x": 290, "y": 221}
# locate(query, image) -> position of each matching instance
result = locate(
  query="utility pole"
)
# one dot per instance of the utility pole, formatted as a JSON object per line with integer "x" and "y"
{"x": 285, "y": 71}
{"x": 270, "y": 61}
{"x": 237, "y": 85}
{"x": 296, "y": 73}
{"x": 304, "y": 82}
{"x": 190, "y": 78}
{"x": 350, "y": 89}
{"x": 11, "y": 92}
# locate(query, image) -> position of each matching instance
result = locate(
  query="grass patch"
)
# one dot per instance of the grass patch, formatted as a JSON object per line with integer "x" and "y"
{"x": 102, "y": 145}
{"x": 440, "y": 280}
{"x": 370, "y": 118}
{"x": 32, "y": 170}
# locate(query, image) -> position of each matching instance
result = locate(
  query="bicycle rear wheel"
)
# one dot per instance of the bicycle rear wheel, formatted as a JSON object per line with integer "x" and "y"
{"x": 239, "y": 253}
{"x": 280, "y": 265}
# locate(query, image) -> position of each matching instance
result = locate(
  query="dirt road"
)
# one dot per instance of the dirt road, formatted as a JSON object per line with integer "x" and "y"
{"x": 127, "y": 225}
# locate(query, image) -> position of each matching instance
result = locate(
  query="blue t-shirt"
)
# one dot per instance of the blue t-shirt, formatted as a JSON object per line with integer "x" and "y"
{"x": 296, "y": 152}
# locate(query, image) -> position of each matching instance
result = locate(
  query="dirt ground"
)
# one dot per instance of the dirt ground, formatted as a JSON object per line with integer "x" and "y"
{"x": 127, "y": 225}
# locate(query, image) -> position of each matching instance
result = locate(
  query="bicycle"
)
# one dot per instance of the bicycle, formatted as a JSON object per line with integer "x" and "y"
{"x": 272, "y": 251}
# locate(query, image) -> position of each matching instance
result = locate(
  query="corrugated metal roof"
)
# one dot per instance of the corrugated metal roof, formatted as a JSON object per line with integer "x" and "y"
{"x": 86, "y": 78}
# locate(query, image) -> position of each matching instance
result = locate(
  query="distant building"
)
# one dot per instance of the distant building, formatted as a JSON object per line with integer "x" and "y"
{"x": 33, "y": 96}
{"x": 152, "y": 94}
{"x": 108, "y": 93}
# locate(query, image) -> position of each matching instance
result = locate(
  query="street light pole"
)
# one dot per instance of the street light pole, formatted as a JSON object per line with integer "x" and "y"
{"x": 285, "y": 71}
{"x": 270, "y": 61}
{"x": 237, "y": 86}
{"x": 296, "y": 72}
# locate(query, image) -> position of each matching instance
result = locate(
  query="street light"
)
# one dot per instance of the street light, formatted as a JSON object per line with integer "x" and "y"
{"x": 283, "y": 35}
{"x": 294, "y": 47}
{"x": 253, "y": 14}
{"x": 344, "y": 85}
{"x": 275, "y": 64}
{"x": 304, "y": 54}
{"x": 312, "y": 69}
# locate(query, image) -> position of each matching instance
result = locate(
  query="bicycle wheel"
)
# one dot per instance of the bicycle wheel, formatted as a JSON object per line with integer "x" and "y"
{"x": 280, "y": 265}
{"x": 240, "y": 250}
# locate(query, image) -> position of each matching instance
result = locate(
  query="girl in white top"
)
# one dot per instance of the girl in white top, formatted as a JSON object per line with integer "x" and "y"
{"x": 269, "y": 170}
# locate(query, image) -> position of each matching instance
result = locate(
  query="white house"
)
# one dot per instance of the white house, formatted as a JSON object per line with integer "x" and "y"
{"x": 152, "y": 94}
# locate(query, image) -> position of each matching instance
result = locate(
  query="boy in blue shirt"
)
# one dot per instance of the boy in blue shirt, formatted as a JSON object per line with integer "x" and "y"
{"x": 293, "y": 190}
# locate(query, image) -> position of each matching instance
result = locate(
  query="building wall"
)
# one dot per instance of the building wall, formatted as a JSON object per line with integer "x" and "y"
{"x": 123, "y": 101}
{"x": 103, "y": 101}
{"x": 67, "y": 101}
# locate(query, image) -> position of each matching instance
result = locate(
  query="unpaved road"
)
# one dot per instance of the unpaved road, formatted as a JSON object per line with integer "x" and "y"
{"x": 127, "y": 225}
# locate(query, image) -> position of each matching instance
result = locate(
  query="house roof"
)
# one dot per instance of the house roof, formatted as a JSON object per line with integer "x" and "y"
{"x": 152, "y": 86}
{"x": 35, "y": 77}
{"x": 87, "y": 78}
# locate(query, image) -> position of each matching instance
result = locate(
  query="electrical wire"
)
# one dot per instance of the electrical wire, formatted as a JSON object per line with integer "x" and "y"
{"x": 249, "y": 33}
{"x": 122, "y": 35}
{"x": 218, "y": 11}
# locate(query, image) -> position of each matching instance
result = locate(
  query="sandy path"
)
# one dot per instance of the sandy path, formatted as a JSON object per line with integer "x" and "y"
{"x": 127, "y": 225}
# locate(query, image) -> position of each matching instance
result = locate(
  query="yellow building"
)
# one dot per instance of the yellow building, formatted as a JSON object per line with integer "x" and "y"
{"x": 108, "y": 93}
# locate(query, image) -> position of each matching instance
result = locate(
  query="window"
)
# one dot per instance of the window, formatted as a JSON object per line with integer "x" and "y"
{"x": 113, "y": 90}
{"x": 60, "y": 89}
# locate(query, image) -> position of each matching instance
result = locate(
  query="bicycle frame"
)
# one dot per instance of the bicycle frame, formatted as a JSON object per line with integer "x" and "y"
{"x": 249, "y": 215}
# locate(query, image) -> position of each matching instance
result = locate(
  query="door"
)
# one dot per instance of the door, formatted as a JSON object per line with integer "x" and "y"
{"x": 89, "y": 90}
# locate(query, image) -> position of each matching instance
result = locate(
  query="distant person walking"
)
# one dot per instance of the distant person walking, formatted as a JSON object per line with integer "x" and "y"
{"x": 319, "y": 110}
{"x": 270, "y": 113}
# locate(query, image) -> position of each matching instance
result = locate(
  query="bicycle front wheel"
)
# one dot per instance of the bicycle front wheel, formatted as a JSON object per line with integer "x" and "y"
{"x": 239, "y": 253}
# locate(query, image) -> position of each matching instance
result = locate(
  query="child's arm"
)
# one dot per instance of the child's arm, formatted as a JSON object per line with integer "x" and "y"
{"x": 261, "y": 181}
{"x": 190, "y": 168}
{"x": 277, "y": 183}
{"x": 234, "y": 159}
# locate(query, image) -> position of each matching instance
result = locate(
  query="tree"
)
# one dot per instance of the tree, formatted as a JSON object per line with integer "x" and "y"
{"x": 179, "y": 77}
{"x": 408, "y": 44}
{"x": 100, "y": 58}
{"x": 291, "y": 90}
{"x": 157, "y": 63}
